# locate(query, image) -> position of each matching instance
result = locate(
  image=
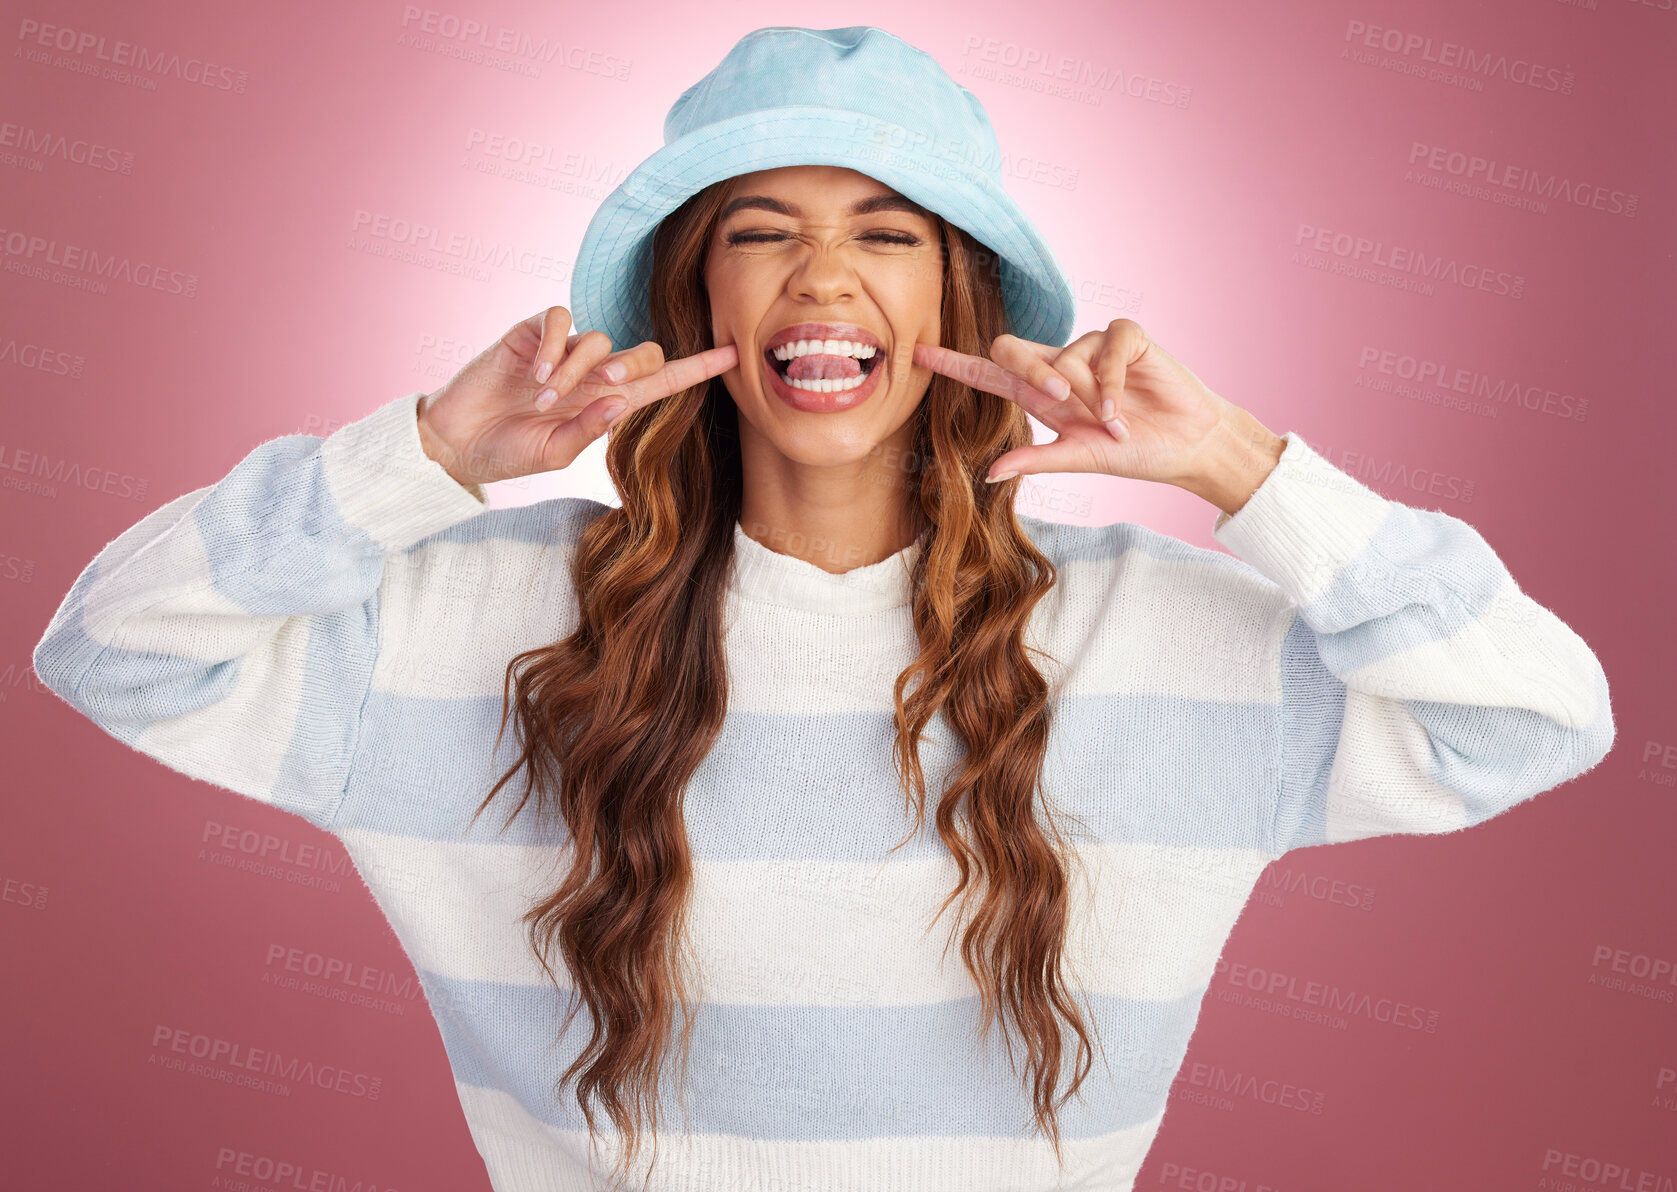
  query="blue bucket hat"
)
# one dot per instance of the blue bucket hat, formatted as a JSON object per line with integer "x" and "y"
{"x": 858, "y": 97}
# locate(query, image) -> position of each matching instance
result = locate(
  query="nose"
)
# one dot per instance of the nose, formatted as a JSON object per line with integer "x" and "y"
{"x": 823, "y": 277}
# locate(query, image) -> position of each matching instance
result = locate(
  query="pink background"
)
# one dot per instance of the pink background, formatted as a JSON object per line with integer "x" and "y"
{"x": 1175, "y": 181}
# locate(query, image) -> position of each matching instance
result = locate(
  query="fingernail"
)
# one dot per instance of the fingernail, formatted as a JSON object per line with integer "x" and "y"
{"x": 1002, "y": 477}
{"x": 614, "y": 371}
{"x": 543, "y": 370}
{"x": 1109, "y": 410}
{"x": 546, "y": 398}
{"x": 1118, "y": 429}
{"x": 612, "y": 409}
{"x": 1058, "y": 388}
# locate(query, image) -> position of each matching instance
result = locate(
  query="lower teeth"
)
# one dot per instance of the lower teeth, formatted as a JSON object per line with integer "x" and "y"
{"x": 828, "y": 385}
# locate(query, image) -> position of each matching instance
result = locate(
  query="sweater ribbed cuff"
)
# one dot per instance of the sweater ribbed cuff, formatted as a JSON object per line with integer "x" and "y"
{"x": 383, "y": 482}
{"x": 1303, "y": 523}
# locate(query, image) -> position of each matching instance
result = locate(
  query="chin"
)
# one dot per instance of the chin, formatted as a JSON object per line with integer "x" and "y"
{"x": 823, "y": 440}
{"x": 822, "y": 445}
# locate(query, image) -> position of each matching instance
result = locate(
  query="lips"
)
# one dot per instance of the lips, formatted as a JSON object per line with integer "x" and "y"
{"x": 811, "y": 401}
{"x": 799, "y": 331}
{"x": 818, "y": 366}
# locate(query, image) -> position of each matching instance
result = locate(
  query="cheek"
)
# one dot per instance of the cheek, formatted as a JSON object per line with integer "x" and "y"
{"x": 919, "y": 294}
{"x": 733, "y": 295}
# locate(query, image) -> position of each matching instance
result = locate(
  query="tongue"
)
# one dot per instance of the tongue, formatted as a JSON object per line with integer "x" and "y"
{"x": 819, "y": 366}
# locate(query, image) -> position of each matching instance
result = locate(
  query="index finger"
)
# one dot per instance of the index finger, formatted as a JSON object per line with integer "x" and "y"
{"x": 679, "y": 374}
{"x": 976, "y": 371}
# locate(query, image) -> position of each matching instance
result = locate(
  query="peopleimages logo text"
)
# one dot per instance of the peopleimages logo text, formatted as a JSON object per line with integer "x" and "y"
{"x": 260, "y": 1060}
{"x": 163, "y": 63}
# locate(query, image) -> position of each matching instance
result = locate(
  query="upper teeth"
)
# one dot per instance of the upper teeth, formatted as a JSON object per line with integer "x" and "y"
{"x": 825, "y": 347}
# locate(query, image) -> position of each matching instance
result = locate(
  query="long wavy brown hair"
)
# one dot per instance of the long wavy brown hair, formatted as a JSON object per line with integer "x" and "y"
{"x": 614, "y": 719}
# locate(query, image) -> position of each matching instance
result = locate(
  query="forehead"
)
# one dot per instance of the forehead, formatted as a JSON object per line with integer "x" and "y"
{"x": 815, "y": 189}
{"x": 807, "y": 177}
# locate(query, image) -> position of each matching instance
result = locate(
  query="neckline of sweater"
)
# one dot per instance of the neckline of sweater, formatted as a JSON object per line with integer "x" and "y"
{"x": 766, "y": 575}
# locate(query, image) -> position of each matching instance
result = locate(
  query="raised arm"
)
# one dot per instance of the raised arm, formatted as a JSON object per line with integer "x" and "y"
{"x": 1421, "y": 690}
{"x": 231, "y": 634}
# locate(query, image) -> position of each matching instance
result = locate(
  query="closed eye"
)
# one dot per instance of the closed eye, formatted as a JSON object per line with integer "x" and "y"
{"x": 906, "y": 238}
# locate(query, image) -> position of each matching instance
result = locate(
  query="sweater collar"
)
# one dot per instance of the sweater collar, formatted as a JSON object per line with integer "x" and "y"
{"x": 767, "y": 576}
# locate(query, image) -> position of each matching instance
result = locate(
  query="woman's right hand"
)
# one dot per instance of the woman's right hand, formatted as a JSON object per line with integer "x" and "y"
{"x": 489, "y": 421}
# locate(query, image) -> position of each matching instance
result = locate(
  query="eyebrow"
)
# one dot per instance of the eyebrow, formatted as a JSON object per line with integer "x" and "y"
{"x": 866, "y": 206}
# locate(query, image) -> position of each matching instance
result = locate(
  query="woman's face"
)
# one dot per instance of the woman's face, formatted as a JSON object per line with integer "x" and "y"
{"x": 793, "y": 260}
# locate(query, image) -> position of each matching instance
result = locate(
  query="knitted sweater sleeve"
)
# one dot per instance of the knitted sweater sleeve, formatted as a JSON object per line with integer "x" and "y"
{"x": 231, "y": 633}
{"x": 1421, "y": 691}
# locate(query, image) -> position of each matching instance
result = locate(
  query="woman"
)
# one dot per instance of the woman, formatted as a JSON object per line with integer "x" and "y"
{"x": 731, "y": 695}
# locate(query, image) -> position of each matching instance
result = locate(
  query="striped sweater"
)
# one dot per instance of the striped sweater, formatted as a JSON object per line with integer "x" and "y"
{"x": 327, "y": 628}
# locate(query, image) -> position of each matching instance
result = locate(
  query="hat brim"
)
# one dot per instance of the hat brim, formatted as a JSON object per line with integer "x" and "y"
{"x": 613, "y": 267}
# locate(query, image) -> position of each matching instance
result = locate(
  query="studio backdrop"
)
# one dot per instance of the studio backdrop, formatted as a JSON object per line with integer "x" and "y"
{"x": 1434, "y": 239}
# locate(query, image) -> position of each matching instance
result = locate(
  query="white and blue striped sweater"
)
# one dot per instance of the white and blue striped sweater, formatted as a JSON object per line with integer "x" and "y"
{"x": 327, "y": 630}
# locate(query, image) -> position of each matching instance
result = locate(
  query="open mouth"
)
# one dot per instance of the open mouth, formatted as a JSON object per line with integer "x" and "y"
{"x": 823, "y": 371}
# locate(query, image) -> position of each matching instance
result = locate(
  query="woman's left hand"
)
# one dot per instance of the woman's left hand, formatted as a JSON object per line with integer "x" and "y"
{"x": 1167, "y": 419}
